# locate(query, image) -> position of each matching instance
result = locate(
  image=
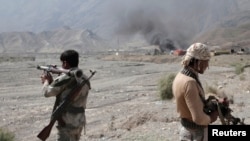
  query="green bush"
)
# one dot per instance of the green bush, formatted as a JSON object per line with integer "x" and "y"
{"x": 6, "y": 135}
{"x": 165, "y": 86}
{"x": 239, "y": 69}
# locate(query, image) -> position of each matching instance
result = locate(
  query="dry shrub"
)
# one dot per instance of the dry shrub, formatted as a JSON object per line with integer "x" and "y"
{"x": 239, "y": 69}
{"x": 165, "y": 86}
{"x": 6, "y": 135}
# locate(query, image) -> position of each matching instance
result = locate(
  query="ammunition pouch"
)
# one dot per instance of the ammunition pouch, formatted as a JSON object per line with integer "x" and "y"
{"x": 75, "y": 110}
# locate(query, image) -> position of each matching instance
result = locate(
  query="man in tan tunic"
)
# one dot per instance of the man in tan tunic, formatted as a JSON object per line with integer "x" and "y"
{"x": 73, "y": 120}
{"x": 189, "y": 94}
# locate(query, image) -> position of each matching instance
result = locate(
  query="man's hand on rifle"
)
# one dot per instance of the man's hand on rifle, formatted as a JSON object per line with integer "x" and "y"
{"x": 224, "y": 101}
{"x": 214, "y": 116}
{"x": 215, "y": 103}
{"x": 46, "y": 76}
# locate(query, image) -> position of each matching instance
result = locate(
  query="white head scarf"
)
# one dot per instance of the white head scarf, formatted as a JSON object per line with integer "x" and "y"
{"x": 198, "y": 51}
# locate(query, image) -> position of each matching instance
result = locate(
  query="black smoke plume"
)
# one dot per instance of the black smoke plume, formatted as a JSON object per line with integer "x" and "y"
{"x": 168, "y": 23}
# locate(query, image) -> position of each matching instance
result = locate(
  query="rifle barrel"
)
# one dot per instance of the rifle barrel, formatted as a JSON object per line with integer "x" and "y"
{"x": 53, "y": 69}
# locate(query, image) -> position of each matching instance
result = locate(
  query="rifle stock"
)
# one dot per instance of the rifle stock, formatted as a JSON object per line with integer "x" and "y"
{"x": 44, "y": 134}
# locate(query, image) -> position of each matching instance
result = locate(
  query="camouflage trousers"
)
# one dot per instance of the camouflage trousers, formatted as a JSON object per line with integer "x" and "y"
{"x": 187, "y": 134}
{"x": 68, "y": 133}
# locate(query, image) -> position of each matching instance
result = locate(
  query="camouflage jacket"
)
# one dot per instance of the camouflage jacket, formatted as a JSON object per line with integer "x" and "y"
{"x": 61, "y": 87}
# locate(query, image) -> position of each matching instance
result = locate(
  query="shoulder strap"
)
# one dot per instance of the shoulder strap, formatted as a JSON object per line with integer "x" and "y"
{"x": 87, "y": 81}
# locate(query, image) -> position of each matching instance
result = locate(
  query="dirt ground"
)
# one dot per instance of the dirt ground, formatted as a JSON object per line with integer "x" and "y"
{"x": 123, "y": 104}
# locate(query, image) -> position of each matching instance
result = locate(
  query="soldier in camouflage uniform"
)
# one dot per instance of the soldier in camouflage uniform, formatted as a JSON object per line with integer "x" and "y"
{"x": 73, "y": 121}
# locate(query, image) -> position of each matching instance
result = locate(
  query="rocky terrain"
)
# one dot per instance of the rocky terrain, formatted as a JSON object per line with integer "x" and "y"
{"x": 123, "y": 105}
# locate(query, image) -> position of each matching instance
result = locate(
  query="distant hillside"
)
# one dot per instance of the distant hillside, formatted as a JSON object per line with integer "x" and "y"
{"x": 234, "y": 31}
{"x": 51, "y": 41}
{"x": 56, "y": 25}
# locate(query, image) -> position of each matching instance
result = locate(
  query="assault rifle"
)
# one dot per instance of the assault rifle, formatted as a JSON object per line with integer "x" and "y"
{"x": 226, "y": 118}
{"x": 57, "y": 113}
